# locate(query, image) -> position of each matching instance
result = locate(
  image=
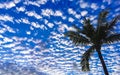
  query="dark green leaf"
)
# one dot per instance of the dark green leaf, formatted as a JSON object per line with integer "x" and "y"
{"x": 77, "y": 38}
{"x": 88, "y": 29}
{"x": 112, "y": 38}
{"x": 85, "y": 59}
{"x": 113, "y": 22}
{"x": 102, "y": 17}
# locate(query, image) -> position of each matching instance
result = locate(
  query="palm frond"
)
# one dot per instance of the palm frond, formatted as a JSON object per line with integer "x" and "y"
{"x": 102, "y": 32}
{"x": 77, "y": 29}
{"x": 85, "y": 59}
{"x": 107, "y": 27}
{"x": 77, "y": 38}
{"x": 102, "y": 17}
{"x": 88, "y": 29}
{"x": 112, "y": 38}
{"x": 113, "y": 22}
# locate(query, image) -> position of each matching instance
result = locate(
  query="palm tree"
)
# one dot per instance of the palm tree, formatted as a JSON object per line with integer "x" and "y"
{"x": 95, "y": 36}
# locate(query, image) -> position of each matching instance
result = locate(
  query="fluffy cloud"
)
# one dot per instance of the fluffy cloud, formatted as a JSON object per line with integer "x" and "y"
{"x": 35, "y": 3}
{"x": 58, "y": 13}
{"x": 70, "y": 19}
{"x": 50, "y": 12}
{"x": 58, "y": 59}
{"x": 35, "y": 24}
{"x": 83, "y": 5}
{"x": 20, "y": 9}
{"x": 50, "y": 25}
{"x": 6, "y": 18}
{"x": 71, "y": 11}
{"x": 94, "y": 6}
{"x": 47, "y": 12}
{"x": 83, "y": 13}
{"x": 8, "y": 5}
{"x": 34, "y": 14}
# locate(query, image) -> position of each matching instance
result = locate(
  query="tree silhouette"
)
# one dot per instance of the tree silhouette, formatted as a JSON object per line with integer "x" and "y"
{"x": 95, "y": 36}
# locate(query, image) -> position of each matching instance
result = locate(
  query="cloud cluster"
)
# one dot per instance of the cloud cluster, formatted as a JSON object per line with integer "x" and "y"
{"x": 34, "y": 37}
{"x": 8, "y": 5}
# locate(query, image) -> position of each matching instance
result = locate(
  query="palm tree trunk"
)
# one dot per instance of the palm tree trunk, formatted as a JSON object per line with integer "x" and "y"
{"x": 102, "y": 60}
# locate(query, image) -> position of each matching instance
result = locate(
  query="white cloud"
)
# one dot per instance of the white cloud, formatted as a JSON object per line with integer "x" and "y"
{"x": 102, "y": 7}
{"x": 7, "y": 39}
{"x": 35, "y": 3}
{"x": 108, "y": 1}
{"x": 47, "y": 12}
{"x": 94, "y": 6}
{"x": 83, "y": 5}
{"x": 53, "y": 1}
{"x": 62, "y": 27}
{"x": 50, "y": 12}
{"x": 22, "y": 20}
{"x": 19, "y": 39}
{"x": 17, "y": 20}
{"x": 8, "y": 5}
{"x": 9, "y": 45}
{"x": 43, "y": 27}
{"x": 50, "y": 71}
{"x": 22, "y": 9}
{"x": 16, "y": 1}
{"x": 30, "y": 13}
{"x": 64, "y": 47}
{"x": 77, "y": 16}
{"x": 71, "y": 29}
{"x": 42, "y": 1}
{"x": 2, "y": 30}
{"x": 58, "y": 13}
{"x": 71, "y": 11}
{"x": 8, "y": 28}
{"x": 28, "y": 32}
{"x": 83, "y": 13}
{"x": 31, "y": 3}
{"x": 70, "y": 19}
{"x": 50, "y": 25}
{"x": 45, "y": 21}
{"x": 1, "y": 5}
{"x": 34, "y": 14}
{"x": 1, "y": 36}
{"x": 35, "y": 24}
{"x": 94, "y": 21}
{"x": 32, "y": 24}
{"x": 25, "y": 20}
{"x": 56, "y": 22}
{"x": 92, "y": 17}
{"x": 63, "y": 17}
{"x": 25, "y": 52}
{"x": 6, "y": 18}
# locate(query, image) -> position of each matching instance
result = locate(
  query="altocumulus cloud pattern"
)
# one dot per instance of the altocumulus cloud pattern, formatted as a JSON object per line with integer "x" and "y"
{"x": 32, "y": 40}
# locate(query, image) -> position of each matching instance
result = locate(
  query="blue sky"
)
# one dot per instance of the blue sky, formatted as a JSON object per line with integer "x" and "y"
{"x": 32, "y": 40}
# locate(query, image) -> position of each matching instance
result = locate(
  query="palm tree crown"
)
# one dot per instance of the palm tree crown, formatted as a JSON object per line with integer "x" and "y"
{"x": 102, "y": 34}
